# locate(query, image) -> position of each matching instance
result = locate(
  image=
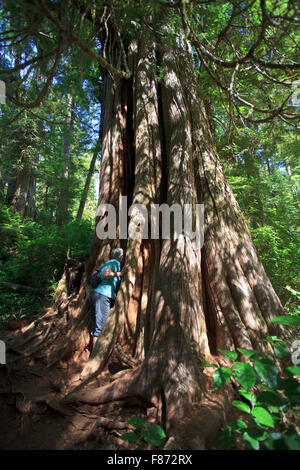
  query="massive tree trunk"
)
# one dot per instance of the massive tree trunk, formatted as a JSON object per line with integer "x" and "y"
{"x": 178, "y": 303}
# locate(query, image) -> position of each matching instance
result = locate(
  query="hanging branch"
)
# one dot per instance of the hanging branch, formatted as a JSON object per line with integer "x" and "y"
{"x": 235, "y": 13}
{"x": 38, "y": 100}
{"x": 22, "y": 66}
{"x": 114, "y": 72}
{"x": 203, "y": 53}
{"x": 248, "y": 57}
{"x": 272, "y": 79}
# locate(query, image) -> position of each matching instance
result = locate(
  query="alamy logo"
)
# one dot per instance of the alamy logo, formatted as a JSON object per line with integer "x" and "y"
{"x": 2, "y": 352}
{"x": 146, "y": 223}
{"x": 295, "y": 99}
{"x": 2, "y": 92}
{"x": 295, "y": 356}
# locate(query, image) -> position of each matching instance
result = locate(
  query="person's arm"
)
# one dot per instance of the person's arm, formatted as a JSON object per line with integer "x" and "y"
{"x": 109, "y": 273}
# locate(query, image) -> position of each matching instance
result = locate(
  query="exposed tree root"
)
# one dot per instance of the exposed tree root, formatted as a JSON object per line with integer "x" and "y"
{"x": 104, "y": 422}
{"x": 22, "y": 288}
{"x": 125, "y": 358}
{"x": 171, "y": 389}
{"x": 36, "y": 346}
{"x": 199, "y": 421}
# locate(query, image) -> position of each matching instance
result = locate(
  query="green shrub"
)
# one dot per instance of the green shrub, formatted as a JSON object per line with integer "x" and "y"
{"x": 150, "y": 433}
{"x": 34, "y": 255}
{"x": 269, "y": 399}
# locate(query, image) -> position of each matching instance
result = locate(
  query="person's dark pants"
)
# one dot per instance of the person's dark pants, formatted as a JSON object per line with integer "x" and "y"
{"x": 100, "y": 306}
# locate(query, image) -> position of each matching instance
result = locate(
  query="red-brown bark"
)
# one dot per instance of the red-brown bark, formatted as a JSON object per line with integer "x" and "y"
{"x": 178, "y": 303}
{"x": 188, "y": 302}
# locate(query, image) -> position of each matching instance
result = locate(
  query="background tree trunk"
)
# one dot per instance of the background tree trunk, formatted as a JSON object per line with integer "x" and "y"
{"x": 21, "y": 189}
{"x": 89, "y": 178}
{"x": 62, "y": 210}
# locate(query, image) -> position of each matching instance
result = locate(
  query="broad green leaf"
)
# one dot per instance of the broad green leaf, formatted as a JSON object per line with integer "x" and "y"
{"x": 287, "y": 320}
{"x": 275, "y": 435}
{"x": 245, "y": 394}
{"x": 154, "y": 434}
{"x": 267, "y": 371}
{"x": 248, "y": 396}
{"x": 221, "y": 376}
{"x": 263, "y": 416}
{"x": 241, "y": 424}
{"x": 245, "y": 375}
{"x": 247, "y": 352}
{"x": 274, "y": 339}
{"x": 231, "y": 354}
{"x": 281, "y": 352}
{"x": 295, "y": 370}
{"x": 153, "y": 440}
{"x": 291, "y": 388}
{"x": 129, "y": 436}
{"x": 137, "y": 422}
{"x": 275, "y": 442}
{"x": 241, "y": 406}
{"x": 270, "y": 339}
{"x": 250, "y": 441}
{"x": 155, "y": 429}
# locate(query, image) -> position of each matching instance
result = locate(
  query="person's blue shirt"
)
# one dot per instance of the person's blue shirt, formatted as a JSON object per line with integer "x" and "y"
{"x": 108, "y": 285}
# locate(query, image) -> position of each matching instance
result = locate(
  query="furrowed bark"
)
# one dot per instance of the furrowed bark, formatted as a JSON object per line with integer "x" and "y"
{"x": 191, "y": 302}
{"x": 180, "y": 302}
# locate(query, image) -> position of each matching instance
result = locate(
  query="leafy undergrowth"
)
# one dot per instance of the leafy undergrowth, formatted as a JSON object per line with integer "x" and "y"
{"x": 33, "y": 255}
{"x": 269, "y": 398}
{"x": 145, "y": 435}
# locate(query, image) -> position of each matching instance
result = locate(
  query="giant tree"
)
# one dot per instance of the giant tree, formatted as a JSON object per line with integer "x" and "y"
{"x": 162, "y": 62}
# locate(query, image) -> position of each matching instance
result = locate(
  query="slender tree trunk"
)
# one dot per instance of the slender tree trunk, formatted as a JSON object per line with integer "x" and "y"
{"x": 255, "y": 198}
{"x": 46, "y": 197}
{"x": 62, "y": 210}
{"x": 89, "y": 178}
{"x": 2, "y": 185}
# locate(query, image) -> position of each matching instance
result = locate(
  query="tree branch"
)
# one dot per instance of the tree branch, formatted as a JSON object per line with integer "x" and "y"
{"x": 272, "y": 79}
{"x": 37, "y": 101}
{"x": 28, "y": 62}
{"x": 22, "y": 288}
{"x": 103, "y": 62}
{"x": 234, "y": 14}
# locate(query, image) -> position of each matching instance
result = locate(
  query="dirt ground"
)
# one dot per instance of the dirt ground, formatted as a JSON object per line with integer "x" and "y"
{"x": 32, "y": 417}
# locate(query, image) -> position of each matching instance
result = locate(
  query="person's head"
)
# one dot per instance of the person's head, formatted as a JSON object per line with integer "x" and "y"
{"x": 117, "y": 253}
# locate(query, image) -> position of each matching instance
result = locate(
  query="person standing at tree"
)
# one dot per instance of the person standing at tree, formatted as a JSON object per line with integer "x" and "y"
{"x": 101, "y": 297}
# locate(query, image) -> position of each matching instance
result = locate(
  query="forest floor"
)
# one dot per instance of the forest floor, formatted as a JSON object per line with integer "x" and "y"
{"x": 32, "y": 417}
